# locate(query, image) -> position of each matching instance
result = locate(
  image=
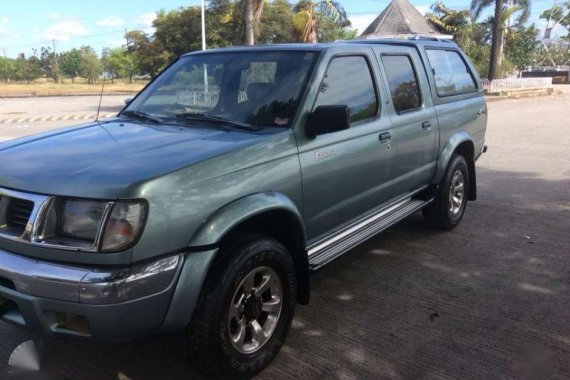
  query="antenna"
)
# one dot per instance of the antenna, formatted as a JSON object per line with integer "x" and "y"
{"x": 101, "y": 97}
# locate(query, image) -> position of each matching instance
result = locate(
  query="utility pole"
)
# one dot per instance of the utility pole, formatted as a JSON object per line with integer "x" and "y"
{"x": 203, "y": 25}
{"x": 204, "y": 46}
{"x": 55, "y": 64}
{"x": 126, "y": 39}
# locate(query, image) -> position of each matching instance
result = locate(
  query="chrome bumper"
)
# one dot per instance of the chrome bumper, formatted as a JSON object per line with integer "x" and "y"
{"x": 94, "y": 286}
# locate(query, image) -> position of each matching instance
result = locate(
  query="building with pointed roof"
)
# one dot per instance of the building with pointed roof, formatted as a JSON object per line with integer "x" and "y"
{"x": 401, "y": 19}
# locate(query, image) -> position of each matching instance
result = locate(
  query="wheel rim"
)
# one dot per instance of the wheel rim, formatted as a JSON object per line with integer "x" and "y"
{"x": 255, "y": 309}
{"x": 456, "y": 193}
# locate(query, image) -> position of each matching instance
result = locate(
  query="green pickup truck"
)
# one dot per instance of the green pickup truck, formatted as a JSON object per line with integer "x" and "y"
{"x": 207, "y": 202}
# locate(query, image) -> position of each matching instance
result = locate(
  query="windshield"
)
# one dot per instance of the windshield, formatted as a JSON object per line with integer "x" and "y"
{"x": 255, "y": 88}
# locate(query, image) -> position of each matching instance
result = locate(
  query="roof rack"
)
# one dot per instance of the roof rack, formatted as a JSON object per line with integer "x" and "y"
{"x": 430, "y": 38}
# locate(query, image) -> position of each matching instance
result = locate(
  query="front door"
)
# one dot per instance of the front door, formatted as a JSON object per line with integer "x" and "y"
{"x": 347, "y": 173}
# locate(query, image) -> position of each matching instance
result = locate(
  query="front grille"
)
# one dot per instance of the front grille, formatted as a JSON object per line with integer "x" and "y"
{"x": 18, "y": 214}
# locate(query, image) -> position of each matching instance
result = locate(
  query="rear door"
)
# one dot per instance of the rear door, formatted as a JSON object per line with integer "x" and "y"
{"x": 347, "y": 173}
{"x": 413, "y": 117}
{"x": 458, "y": 94}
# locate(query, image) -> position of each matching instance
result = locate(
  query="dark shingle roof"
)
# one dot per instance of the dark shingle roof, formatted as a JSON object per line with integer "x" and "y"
{"x": 399, "y": 17}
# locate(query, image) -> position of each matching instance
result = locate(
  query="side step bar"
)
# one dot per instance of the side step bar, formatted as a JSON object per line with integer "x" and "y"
{"x": 329, "y": 249}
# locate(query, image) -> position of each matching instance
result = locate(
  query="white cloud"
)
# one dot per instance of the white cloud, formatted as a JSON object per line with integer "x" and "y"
{"x": 111, "y": 21}
{"x": 65, "y": 30}
{"x": 145, "y": 20}
{"x": 361, "y": 22}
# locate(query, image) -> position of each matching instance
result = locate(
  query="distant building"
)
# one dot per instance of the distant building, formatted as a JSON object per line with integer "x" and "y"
{"x": 401, "y": 19}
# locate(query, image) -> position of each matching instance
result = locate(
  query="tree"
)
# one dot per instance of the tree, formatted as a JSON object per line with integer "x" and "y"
{"x": 8, "y": 69}
{"x": 90, "y": 65}
{"x": 111, "y": 61}
{"x": 449, "y": 21}
{"x": 277, "y": 26}
{"x": 503, "y": 12}
{"x": 49, "y": 64}
{"x": 522, "y": 47}
{"x": 559, "y": 14}
{"x": 150, "y": 55}
{"x": 178, "y": 31}
{"x": 28, "y": 69}
{"x": 70, "y": 63}
{"x": 310, "y": 13}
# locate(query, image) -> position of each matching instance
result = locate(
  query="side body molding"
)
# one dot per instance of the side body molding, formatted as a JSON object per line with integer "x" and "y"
{"x": 446, "y": 151}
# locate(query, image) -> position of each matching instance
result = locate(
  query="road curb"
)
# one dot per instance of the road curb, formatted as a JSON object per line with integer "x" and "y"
{"x": 55, "y": 118}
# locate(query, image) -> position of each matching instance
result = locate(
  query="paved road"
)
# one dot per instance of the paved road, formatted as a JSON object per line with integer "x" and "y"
{"x": 15, "y": 113}
{"x": 490, "y": 299}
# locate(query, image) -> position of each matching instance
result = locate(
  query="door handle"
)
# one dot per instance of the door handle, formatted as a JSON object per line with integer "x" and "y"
{"x": 426, "y": 125}
{"x": 385, "y": 137}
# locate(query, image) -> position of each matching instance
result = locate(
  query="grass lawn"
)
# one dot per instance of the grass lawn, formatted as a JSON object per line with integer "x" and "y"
{"x": 45, "y": 88}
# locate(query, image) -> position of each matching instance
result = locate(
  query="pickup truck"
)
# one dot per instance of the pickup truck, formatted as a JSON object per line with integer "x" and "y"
{"x": 206, "y": 203}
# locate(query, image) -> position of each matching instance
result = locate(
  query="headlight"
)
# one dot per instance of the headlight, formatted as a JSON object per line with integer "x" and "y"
{"x": 81, "y": 219}
{"x": 93, "y": 226}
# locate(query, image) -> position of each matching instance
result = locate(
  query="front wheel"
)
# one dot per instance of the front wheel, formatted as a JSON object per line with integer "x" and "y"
{"x": 246, "y": 308}
{"x": 449, "y": 205}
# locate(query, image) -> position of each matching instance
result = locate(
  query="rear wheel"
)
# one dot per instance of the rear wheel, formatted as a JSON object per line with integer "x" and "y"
{"x": 246, "y": 308}
{"x": 451, "y": 200}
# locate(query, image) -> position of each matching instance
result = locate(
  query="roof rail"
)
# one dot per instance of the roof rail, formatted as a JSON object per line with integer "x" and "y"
{"x": 430, "y": 38}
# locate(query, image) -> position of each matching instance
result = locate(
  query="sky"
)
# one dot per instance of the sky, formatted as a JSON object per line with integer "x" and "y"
{"x": 28, "y": 24}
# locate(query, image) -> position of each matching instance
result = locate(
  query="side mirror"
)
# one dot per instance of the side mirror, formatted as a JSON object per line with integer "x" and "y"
{"x": 328, "y": 119}
{"x": 128, "y": 101}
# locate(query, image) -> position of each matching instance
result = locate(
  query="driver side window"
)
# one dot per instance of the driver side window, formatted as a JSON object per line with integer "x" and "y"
{"x": 349, "y": 82}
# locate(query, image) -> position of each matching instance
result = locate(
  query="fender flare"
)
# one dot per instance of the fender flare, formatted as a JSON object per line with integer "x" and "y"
{"x": 446, "y": 152}
{"x": 203, "y": 248}
{"x": 215, "y": 227}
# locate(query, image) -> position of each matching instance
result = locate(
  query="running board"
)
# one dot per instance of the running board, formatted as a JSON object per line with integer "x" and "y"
{"x": 329, "y": 249}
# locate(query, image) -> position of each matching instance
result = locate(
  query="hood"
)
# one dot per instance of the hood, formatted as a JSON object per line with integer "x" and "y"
{"x": 100, "y": 160}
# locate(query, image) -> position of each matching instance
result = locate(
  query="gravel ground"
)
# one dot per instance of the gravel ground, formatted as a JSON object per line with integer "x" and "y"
{"x": 488, "y": 300}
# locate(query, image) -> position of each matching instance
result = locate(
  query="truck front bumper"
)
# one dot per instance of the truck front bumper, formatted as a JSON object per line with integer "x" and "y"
{"x": 103, "y": 304}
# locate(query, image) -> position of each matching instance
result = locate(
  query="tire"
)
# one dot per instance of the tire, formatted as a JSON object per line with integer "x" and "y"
{"x": 216, "y": 327}
{"x": 444, "y": 213}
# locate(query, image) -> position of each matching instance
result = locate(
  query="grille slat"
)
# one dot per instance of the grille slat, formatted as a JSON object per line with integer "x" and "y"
{"x": 18, "y": 214}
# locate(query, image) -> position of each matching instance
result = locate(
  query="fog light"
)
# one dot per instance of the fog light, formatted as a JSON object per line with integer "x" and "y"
{"x": 75, "y": 323}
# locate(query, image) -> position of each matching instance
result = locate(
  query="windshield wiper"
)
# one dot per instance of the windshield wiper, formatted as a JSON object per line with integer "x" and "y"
{"x": 218, "y": 119}
{"x": 142, "y": 116}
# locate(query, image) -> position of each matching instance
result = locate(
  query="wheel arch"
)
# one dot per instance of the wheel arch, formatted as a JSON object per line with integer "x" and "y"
{"x": 461, "y": 144}
{"x": 269, "y": 213}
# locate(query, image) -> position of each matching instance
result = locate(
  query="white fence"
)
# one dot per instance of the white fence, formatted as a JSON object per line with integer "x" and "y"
{"x": 499, "y": 85}
{"x": 203, "y": 99}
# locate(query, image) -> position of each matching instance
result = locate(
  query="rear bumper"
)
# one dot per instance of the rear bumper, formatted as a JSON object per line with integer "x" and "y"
{"x": 118, "y": 304}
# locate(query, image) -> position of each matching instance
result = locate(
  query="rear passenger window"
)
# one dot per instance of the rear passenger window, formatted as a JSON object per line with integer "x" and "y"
{"x": 403, "y": 82}
{"x": 349, "y": 82}
{"x": 451, "y": 74}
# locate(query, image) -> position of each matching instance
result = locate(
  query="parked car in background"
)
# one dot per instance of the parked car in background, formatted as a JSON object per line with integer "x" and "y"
{"x": 206, "y": 203}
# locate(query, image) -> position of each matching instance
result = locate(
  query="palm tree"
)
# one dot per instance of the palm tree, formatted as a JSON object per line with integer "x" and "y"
{"x": 308, "y": 14}
{"x": 449, "y": 21}
{"x": 252, "y": 16}
{"x": 504, "y": 10}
